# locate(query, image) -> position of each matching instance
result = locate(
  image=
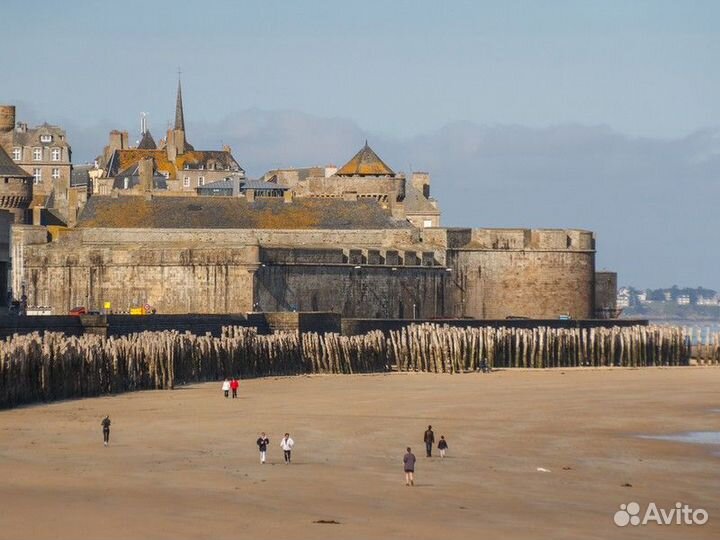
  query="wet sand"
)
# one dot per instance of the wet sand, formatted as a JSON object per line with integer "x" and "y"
{"x": 183, "y": 463}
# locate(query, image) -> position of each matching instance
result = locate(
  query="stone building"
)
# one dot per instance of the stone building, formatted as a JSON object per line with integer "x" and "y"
{"x": 230, "y": 254}
{"x": 176, "y": 165}
{"x": 42, "y": 151}
{"x": 361, "y": 240}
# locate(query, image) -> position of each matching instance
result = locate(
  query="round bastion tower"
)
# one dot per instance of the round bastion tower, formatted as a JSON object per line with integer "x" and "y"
{"x": 15, "y": 183}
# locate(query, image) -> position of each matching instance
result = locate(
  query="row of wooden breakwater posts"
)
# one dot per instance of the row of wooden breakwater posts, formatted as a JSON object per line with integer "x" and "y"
{"x": 52, "y": 366}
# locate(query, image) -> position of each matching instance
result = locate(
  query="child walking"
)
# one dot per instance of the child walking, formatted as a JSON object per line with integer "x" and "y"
{"x": 226, "y": 388}
{"x": 263, "y": 443}
{"x": 442, "y": 446}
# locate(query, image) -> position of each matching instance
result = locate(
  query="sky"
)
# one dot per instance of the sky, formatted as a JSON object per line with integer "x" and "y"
{"x": 592, "y": 114}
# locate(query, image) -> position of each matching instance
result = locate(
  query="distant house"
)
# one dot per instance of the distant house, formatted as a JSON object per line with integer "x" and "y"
{"x": 683, "y": 300}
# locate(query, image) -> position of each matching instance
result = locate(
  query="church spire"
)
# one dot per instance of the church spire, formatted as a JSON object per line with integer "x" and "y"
{"x": 179, "y": 116}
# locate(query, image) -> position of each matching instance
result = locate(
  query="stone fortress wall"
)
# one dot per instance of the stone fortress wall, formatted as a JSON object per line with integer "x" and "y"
{"x": 388, "y": 273}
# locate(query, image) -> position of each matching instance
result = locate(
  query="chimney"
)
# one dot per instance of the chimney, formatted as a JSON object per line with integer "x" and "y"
{"x": 179, "y": 141}
{"x": 421, "y": 182}
{"x": 145, "y": 169}
{"x": 288, "y": 196}
{"x": 7, "y": 118}
{"x": 170, "y": 147}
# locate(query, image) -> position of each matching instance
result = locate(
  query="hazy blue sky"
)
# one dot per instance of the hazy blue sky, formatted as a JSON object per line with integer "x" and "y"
{"x": 599, "y": 114}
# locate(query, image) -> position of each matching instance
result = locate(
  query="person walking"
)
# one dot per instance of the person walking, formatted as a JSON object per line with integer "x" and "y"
{"x": 429, "y": 439}
{"x": 226, "y": 388}
{"x": 409, "y": 467}
{"x": 234, "y": 387}
{"x": 106, "y": 430}
{"x": 442, "y": 446}
{"x": 287, "y": 445}
{"x": 262, "y": 444}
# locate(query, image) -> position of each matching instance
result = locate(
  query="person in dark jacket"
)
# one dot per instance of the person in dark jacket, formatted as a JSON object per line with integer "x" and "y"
{"x": 263, "y": 443}
{"x": 106, "y": 430}
{"x": 442, "y": 446}
{"x": 429, "y": 439}
{"x": 409, "y": 467}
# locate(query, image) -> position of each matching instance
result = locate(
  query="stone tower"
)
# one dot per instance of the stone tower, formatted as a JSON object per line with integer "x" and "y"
{"x": 15, "y": 188}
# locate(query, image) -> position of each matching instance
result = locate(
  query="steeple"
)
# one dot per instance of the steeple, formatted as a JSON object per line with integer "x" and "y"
{"x": 179, "y": 116}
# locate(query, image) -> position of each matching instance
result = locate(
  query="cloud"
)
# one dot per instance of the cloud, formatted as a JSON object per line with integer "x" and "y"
{"x": 652, "y": 202}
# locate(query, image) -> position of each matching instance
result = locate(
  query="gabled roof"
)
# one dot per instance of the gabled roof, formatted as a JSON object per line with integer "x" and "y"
{"x": 147, "y": 142}
{"x": 416, "y": 203}
{"x": 365, "y": 163}
{"x": 10, "y": 169}
{"x": 123, "y": 159}
{"x": 161, "y": 212}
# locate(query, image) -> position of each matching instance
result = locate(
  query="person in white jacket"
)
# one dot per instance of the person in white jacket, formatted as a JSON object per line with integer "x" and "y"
{"x": 287, "y": 445}
{"x": 226, "y": 388}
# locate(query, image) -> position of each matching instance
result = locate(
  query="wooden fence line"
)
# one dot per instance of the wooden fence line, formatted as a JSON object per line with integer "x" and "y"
{"x": 53, "y": 366}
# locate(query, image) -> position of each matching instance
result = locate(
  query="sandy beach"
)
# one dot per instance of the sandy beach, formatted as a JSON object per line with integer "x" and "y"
{"x": 183, "y": 463}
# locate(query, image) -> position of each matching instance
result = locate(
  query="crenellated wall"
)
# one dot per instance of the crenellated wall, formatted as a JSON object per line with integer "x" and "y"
{"x": 382, "y": 273}
{"x": 366, "y": 291}
{"x": 536, "y": 273}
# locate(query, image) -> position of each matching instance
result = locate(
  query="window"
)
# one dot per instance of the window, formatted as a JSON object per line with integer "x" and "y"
{"x": 45, "y": 138}
{"x": 201, "y": 166}
{"x": 17, "y": 154}
{"x": 427, "y": 223}
{"x": 211, "y": 166}
{"x": 56, "y": 173}
{"x": 37, "y": 154}
{"x": 201, "y": 180}
{"x": 55, "y": 154}
{"x": 186, "y": 181}
{"x": 37, "y": 174}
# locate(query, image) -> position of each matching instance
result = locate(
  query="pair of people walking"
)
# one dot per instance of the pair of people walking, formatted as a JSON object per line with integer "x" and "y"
{"x": 230, "y": 385}
{"x": 286, "y": 444}
{"x": 429, "y": 439}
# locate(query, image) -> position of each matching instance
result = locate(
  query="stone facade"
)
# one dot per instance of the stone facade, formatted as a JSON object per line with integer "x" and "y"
{"x": 43, "y": 152}
{"x": 401, "y": 273}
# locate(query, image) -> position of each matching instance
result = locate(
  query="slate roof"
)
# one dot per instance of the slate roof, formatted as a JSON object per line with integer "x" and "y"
{"x": 123, "y": 159}
{"x": 80, "y": 175}
{"x": 365, "y": 163}
{"x": 416, "y": 203}
{"x": 138, "y": 212}
{"x": 31, "y": 136}
{"x": 147, "y": 142}
{"x": 260, "y": 184}
{"x": 10, "y": 169}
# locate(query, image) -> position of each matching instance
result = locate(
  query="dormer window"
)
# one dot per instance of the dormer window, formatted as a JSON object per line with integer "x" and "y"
{"x": 201, "y": 166}
{"x": 211, "y": 166}
{"x": 55, "y": 154}
{"x": 187, "y": 166}
{"x": 45, "y": 138}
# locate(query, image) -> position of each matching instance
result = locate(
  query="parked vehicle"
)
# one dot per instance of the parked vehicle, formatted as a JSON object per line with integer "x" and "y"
{"x": 77, "y": 311}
